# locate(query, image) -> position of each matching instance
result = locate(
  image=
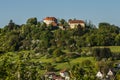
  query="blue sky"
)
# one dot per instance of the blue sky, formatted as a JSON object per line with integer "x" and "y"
{"x": 95, "y": 10}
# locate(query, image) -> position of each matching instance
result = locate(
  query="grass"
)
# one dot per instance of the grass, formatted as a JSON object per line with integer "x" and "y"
{"x": 44, "y": 59}
{"x": 114, "y": 49}
{"x": 74, "y": 61}
{"x": 65, "y": 64}
{"x": 80, "y": 59}
{"x": 59, "y": 66}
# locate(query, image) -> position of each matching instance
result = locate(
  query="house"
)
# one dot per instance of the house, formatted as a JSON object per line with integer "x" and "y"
{"x": 110, "y": 73}
{"x": 49, "y": 75}
{"x": 118, "y": 66}
{"x": 62, "y": 27}
{"x": 52, "y": 76}
{"x": 58, "y": 77}
{"x": 65, "y": 74}
{"x": 99, "y": 75}
{"x": 75, "y": 23}
{"x": 50, "y": 21}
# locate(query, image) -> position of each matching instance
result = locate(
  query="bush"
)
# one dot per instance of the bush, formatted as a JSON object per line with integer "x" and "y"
{"x": 100, "y": 53}
{"x": 73, "y": 55}
{"x": 60, "y": 59}
{"x": 57, "y": 53}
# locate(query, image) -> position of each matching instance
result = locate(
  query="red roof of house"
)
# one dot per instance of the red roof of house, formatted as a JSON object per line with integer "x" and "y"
{"x": 76, "y": 21}
{"x": 50, "y": 18}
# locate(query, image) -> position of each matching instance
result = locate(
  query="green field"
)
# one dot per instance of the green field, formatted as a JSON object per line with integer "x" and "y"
{"x": 65, "y": 64}
{"x": 114, "y": 49}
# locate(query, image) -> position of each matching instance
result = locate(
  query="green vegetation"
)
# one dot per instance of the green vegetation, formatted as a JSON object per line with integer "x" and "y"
{"x": 30, "y": 50}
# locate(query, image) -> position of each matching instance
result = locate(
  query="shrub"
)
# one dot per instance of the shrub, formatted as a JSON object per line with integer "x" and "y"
{"x": 100, "y": 53}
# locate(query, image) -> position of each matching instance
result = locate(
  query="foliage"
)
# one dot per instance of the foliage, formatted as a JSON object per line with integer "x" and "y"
{"x": 100, "y": 53}
{"x": 63, "y": 46}
{"x": 19, "y": 66}
{"x": 32, "y": 21}
{"x": 57, "y": 53}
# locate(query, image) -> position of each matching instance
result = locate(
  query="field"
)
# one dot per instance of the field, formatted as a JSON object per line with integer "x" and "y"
{"x": 41, "y": 63}
{"x": 114, "y": 49}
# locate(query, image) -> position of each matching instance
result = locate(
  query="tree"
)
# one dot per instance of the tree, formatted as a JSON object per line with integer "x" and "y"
{"x": 77, "y": 72}
{"x": 91, "y": 40}
{"x": 117, "y": 40}
{"x": 100, "y": 53}
{"x": 32, "y": 21}
{"x": 57, "y": 53}
{"x": 109, "y": 28}
{"x": 11, "y": 25}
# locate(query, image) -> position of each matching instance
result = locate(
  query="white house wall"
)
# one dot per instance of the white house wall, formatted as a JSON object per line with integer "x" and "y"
{"x": 74, "y": 25}
{"x": 48, "y": 21}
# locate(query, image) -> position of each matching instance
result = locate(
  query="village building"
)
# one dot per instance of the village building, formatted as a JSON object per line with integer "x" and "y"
{"x": 99, "y": 75}
{"x": 118, "y": 65}
{"x": 50, "y": 21}
{"x": 49, "y": 75}
{"x": 52, "y": 76}
{"x": 62, "y": 27}
{"x": 110, "y": 73}
{"x": 75, "y": 23}
{"x": 65, "y": 74}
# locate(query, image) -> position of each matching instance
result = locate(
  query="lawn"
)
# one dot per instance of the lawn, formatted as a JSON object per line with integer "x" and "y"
{"x": 66, "y": 64}
{"x": 114, "y": 49}
{"x": 74, "y": 61}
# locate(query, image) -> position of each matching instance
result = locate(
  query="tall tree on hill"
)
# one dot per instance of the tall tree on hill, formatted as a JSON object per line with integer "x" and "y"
{"x": 32, "y": 21}
{"x": 11, "y": 26}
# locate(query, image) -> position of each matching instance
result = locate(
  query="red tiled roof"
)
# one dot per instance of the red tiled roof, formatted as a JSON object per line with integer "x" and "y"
{"x": 76, "y": 21}
{"x": 50, "y": 18}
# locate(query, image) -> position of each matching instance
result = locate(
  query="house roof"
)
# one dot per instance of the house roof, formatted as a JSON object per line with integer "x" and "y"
{"x": 76, "y": 21}
{"x": 50, "y": 18}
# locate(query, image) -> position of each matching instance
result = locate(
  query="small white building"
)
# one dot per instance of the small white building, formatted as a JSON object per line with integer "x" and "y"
{"x": 65, "y": 74}
{"x": 99, "y": 75}
{"x": 75, "y": 23}
{"x": 110, "y": 73}
{"x": 118, "y": 65}
{"x": 50, "y": 20}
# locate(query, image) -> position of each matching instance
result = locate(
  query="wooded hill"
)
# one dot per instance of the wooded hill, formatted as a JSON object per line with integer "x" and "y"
{"x": 29, "y": 51}
{"x": 38, "y": 36}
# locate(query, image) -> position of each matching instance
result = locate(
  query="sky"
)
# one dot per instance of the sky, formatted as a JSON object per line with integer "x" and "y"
{"x": 94, "y": 10}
